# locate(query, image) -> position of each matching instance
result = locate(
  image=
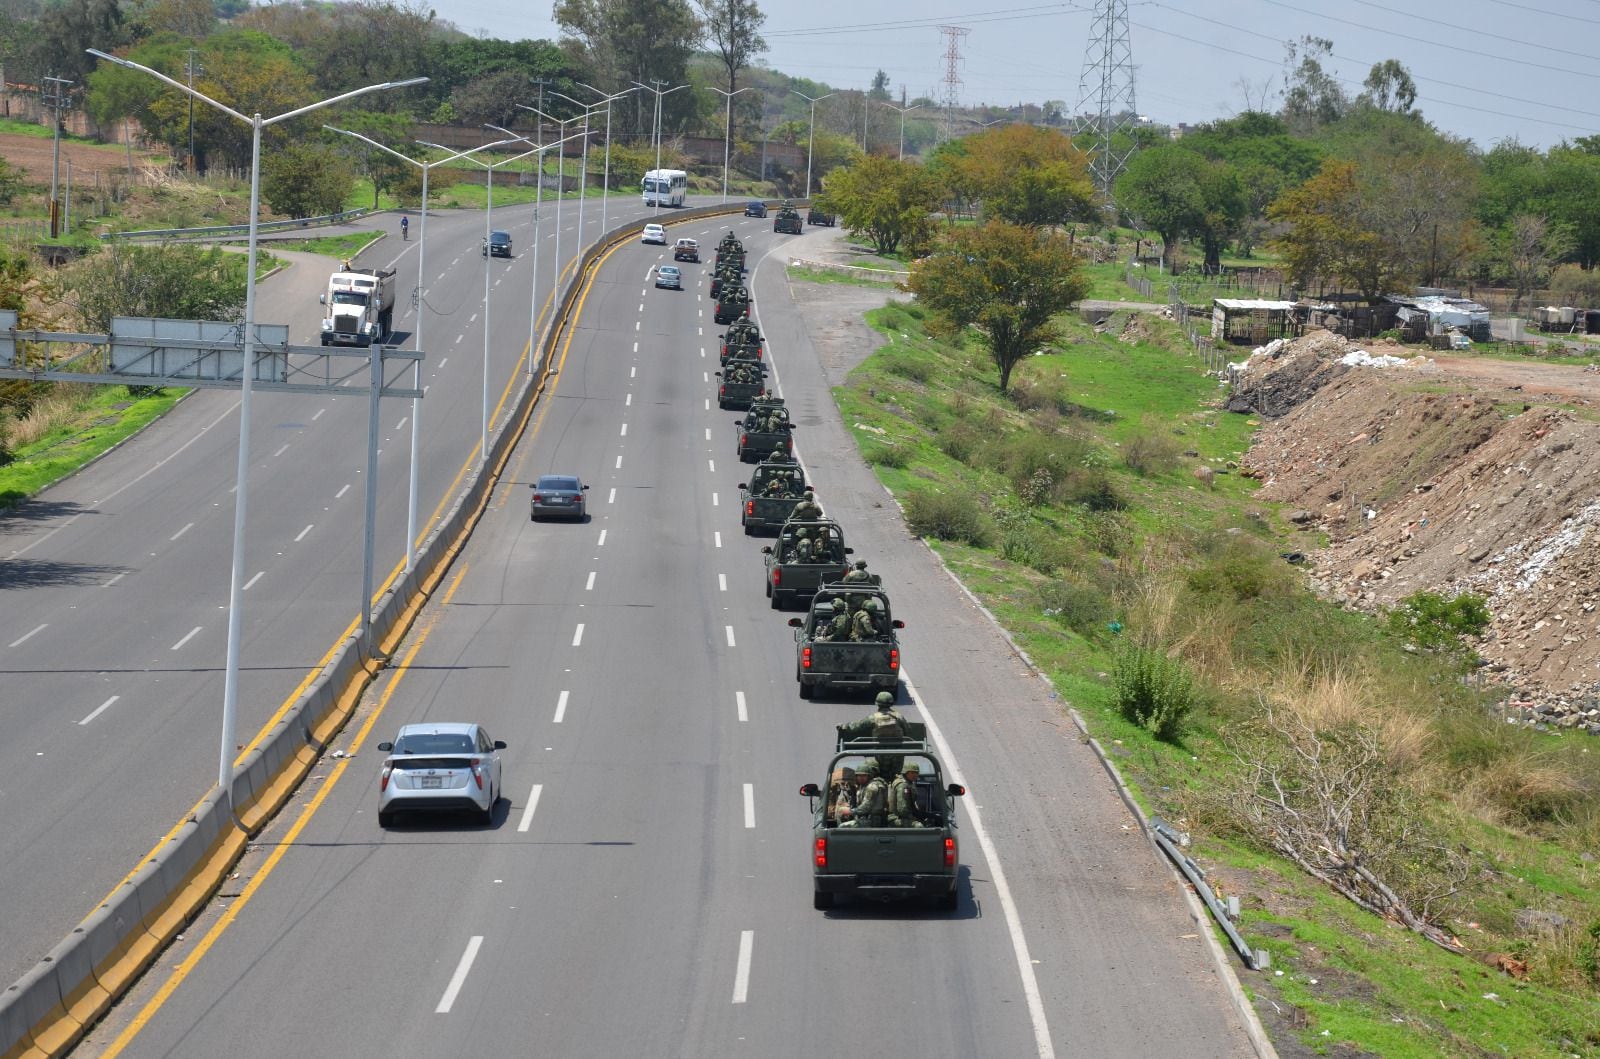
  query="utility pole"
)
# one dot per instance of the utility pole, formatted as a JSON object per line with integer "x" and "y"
{"x": 54, "y": 94}
{"x": 193, "y": 68}
{"x": 953, "y": 36}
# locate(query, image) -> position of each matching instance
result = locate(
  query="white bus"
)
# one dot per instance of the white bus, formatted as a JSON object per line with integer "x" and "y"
{"x": 665, "y": 187}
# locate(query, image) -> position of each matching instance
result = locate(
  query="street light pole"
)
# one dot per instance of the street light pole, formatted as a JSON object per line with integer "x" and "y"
{"x": 583, "y": 166}
{"x": 727, "y": 131}
{"x": 561, "y": 182}
{"x": 605, "y": 180}
{"x": 903, "y": 111}
{"x": 811, "y": 138}
{"x": 659, "y": 93}
{"x": 230, "y": 686}
{"x": 422, "y": 312}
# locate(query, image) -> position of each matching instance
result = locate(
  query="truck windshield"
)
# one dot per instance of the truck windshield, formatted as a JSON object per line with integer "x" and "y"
{"x": 349, "y": 297}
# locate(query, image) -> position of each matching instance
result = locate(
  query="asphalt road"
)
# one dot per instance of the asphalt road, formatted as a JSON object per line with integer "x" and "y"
{"x": 115, "y": 582}
{"x": 644, "y": 888}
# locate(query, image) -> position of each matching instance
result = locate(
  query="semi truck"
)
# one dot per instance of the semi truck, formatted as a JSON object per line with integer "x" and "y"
{"x": 360, "y": 307}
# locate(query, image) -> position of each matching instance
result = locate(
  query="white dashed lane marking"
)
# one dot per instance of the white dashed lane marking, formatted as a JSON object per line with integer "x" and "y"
{"x": 25, "y": 637}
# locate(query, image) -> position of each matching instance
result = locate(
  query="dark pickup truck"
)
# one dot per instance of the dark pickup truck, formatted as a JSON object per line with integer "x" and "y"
{"x": 737, "y": 388}
{"x": 733, "y": 302}
{"x": 787, "y": 221}
{"x": 795, "y": 577}
{"x": 765, "y": 427}
{"x": 725, "y": 274}
{"x": 847, "y": 661}
{"x": 868, "y": 858}
{"x": 743, "y": 337}
{"x": 763, "y": 508}
{"x": 821, "y": 217}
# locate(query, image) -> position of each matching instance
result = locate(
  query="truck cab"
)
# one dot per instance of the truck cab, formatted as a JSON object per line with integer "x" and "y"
{"x": 360, "y": 305}
{"x": 876, "y": 861}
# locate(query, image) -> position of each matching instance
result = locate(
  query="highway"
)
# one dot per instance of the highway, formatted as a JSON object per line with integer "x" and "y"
{"x": 644, "y": 888}
{"x": 115, "y": 581}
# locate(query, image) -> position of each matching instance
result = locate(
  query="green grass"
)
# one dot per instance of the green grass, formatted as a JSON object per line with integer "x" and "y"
{"x": 340, "y": 246}
{"x": 108, "y": 415}
{"x": 28, "y": 128}
{"x": 851, "y": 279}
{"x": 1357, "y": 982}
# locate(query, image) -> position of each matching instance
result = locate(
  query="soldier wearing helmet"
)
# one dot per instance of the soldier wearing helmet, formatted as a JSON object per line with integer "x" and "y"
{"x": 902, "y": 809}
{"x": 808, "y": 508}
{"x": 872, "y": 797}
{"x": 838, "y": 627}
{"x": 859, "y": 575}
{"x": 864, "y": 626}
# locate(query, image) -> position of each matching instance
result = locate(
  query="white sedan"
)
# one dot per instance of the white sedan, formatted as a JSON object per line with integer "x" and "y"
{"x": 440, "y": 767}
{"x": 654, "y": 233}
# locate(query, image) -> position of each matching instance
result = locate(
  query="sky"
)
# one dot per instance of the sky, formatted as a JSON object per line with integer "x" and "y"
{"x": 1486, "y": 70}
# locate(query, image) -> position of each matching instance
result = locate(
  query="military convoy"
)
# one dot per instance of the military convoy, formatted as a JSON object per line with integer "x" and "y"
{"x": 765, "y": 428}
{"x": 788, "y": 220}
{"x": 862, "y": 843}
{"x": 847, "y": 641}
{"x": 808, "y": 554}
{"x": 870, "y": 839}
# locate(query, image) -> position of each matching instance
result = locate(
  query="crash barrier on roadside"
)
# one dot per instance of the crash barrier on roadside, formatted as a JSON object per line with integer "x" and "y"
{"x": 234, "y": 231}
{"x": 50, "y": 1008}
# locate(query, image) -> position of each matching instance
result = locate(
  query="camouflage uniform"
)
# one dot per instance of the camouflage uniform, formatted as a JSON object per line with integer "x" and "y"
{"x": 864, "y": 626}
{"x": 859, "y": 575}
{"x": 842, "y": 806}
{"x": 807, "y": 508}
{"x": 885, "y": 722}
{"x": 871, "y": 809}
{"x": 803, "y": 550}
{"x": 794, "y": 544}
{"x": 903, "y": 810}
{"x": 838, "y": 627}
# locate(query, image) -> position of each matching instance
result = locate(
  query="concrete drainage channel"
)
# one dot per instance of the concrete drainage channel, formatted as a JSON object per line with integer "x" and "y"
{"x": 49, "y": 1009}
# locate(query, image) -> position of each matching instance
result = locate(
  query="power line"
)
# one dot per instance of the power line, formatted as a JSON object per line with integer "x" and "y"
{"x": 1542, "y": 11}
{"x": 1497, "y": 35}
{"x": 1010, "y": 14}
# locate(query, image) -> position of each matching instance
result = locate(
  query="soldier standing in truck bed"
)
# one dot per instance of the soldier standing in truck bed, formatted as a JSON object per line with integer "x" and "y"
{"x": 903, "y": 811}
{"x": 808, "y": 508}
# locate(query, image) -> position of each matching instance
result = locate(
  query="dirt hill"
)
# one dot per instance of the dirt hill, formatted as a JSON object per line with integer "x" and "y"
{"x": 1451, "y": 475}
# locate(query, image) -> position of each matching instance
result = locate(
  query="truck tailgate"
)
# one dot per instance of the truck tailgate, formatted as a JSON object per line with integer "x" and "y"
{"x": 885, "y": 851}
{"x": 841, "y": 661}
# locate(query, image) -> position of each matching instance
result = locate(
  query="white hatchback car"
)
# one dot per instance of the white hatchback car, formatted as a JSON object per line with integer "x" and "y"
{"x": 654, "y": 233}
{"x": 440, "y": 767}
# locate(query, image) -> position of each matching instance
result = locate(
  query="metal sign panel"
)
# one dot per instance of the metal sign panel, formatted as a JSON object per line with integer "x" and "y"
{"x": 8, "y": 342}
{"x": 195, "y": 349}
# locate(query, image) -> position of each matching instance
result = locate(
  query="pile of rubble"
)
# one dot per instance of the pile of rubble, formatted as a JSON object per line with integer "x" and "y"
{"x": 1447, "y": 492}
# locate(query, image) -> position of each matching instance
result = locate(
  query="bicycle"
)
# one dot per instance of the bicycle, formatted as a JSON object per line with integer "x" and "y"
{"x": 405, "y": 230}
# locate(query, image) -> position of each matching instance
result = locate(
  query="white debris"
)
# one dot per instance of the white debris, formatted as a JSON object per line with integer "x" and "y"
{"x": 1361, "y": 358}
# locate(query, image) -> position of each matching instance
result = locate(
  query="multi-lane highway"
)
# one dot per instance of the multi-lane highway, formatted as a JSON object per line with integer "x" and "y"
{"x": 644, "y": 888}
{"x": 115, "y": 582}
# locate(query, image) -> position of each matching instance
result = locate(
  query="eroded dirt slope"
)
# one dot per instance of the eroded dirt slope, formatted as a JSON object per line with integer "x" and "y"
{"x": 1450, "y": 475}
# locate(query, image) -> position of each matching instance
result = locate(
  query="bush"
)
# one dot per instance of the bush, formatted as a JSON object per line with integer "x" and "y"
{"x": 1109, "y": 532}
{"x": 1238, "y": 567}
{"x": 306, "y": 180}
{"x": 947, "y": 516}
{"x": 1434, "y": 623}
{"x": 960, "y": 442}
{"x": 888, "y": 455}
{"x": 1151, "y": 452}
{"x": 1080, "y": 606}
{"x": 909, "y": 364}
{"x": 1153, "y": 690}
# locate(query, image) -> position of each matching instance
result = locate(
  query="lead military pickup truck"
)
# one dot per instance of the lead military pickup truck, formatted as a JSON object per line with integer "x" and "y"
{"x": 762, "y": 508}
{"x": 870, "y": 859}
{"x": 764, "y": 428}
{"x": 793, "y": 575}
{"x": 825, "y": 661}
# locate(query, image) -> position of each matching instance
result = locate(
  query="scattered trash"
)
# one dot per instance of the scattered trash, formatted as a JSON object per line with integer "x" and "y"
{"x": 1362, "y": 359}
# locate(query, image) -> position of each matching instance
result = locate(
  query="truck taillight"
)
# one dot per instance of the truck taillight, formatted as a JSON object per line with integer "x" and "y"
{"x": 819, "y": 853}
{"x": 749, "y": 507}
{"x": 758, "y": 352}
{"x": 894, "y": 658}
{"x": 805, "y": 658}
{"x": 949, "y": 852}
{"x": 721, "y": 390}
{"x": 744, "y": 439}
{"x": 777, "y": 575}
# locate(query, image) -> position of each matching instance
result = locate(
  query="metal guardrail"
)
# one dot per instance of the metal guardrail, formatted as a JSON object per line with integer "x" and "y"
{"x": 1170, "y": 839}
{"x": 225, "y": 230}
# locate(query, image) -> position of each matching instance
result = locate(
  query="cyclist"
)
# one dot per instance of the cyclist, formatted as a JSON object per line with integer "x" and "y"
{"x": 405, "y": 228}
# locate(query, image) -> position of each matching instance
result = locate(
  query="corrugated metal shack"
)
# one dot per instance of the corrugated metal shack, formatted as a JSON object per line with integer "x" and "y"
{"x": 1252, "y": 321}
{"x": 1352, "y": 317}
{"x": 1421, "y": 318}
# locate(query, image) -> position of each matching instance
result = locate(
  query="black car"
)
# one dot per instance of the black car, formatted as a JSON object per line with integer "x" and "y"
{"x": 755, "y": 209}
{"x": 498, "y": 244}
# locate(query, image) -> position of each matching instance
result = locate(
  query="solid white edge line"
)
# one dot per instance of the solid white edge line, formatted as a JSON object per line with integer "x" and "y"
{"x": 561, "y": 707}
{"x": 749, "y": 805}
{"x": 738, "y": 701}
{"x": 741, "y": 975}
{"x": 100, "y": 709}
{"x": 1008, "y": 906}
{"x": 533, "y": 803}
{"x": 577, "y": 637}
{"x": 460, "y": 977}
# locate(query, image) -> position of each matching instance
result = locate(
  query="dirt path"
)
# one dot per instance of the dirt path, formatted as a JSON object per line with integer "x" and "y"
{"x": 1561, "y": 383}
{"x": 32, "y": 154}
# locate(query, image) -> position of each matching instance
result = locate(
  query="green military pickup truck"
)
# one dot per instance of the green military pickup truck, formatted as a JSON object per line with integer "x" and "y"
{"x": 837, "y": 649}
{"x": 730, "y": 272}
{"x": 743, "y": 379}
{"x": 795, "y": 570}
{"x": 733, "y": 302}
{"x": 862, "y": 855}
{"x": 787, "y": 221}
{"x": 764, "y": 428}
{"x": 762, "y": 507}
{"x": 817, "y": 215}
{"x": 743, "y": 337}
{"x": 730, "y": 249}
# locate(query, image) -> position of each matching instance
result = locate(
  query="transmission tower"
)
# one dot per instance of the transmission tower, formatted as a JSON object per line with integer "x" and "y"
{"x": 1106, "y": 110}
{"x": 952, "y": 74}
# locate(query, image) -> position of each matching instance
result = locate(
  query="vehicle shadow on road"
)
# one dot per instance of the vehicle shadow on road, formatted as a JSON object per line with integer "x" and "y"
{"x": 51, "y": 573}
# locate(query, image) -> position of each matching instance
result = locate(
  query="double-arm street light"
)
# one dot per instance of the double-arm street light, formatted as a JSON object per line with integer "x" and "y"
{"x": 230, "y": 683}
{"x": 727, "y": 130}
{"x": 903, "y": 111}
{"x": 659, "y": 93}
{"x": 533, "y": 292}
{"x": 811, "y": 138}
{"x": 605, "y": 179}
{"x": 538, "y": 193}
{"x": 422, "y": 311}
{"x": 583, "y": 165}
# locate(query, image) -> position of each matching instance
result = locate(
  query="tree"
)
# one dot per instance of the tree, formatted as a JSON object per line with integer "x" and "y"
{"x": 1182, "y": 194}
{"x": 56, "y": 46}
{"x": 1024, "y": 175}
{"x": 1332, "y": 231}
{"x": 492, "y": 98}
{"x": 193, "y": 19}
{"x": 1312, "y": 97}
{"x": 1389, "y": 87}
{"x": 1006, "y": 281}
{"x": 1266, "y": 158}
{"x": 887, "y": 200}
{"x": 879, "y": 92}
{"x": 305, "y": 180}
{"x": 383, "y": 170}
{"x": 1527, "y": 249}
{"x": 1054, "y": 112}
{"x": 636, "y": 40}
{"x": 733, "y": 28}
{"x": 179, "y": 282}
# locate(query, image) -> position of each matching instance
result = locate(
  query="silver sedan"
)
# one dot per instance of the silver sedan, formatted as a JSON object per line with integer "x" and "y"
{"x": 558, "y": 494}
{"x": 440, "y": 767}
